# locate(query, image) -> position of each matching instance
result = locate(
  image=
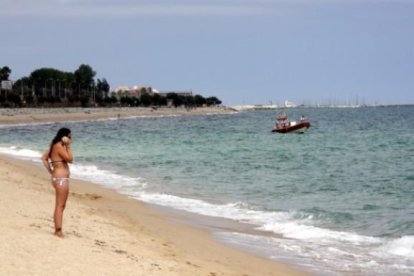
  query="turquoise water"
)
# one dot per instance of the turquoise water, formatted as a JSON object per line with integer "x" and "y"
{"x": 338, "y": 199}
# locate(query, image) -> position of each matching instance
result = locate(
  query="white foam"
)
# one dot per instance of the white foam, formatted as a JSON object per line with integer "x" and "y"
{"x": 21, "y": 153}
{"x": 106, "y": 178}
{"x": 277, "y": 222}
{"x": 403, "y": 247}
{"x": 294, "y": 229}
{"x": 230, "y": 210}
{"x": 320, "y": 258}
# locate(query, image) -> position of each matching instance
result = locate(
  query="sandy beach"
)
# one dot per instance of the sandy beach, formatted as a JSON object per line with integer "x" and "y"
{"x": 10, "y": 116}
{"x": 105, "y": 233}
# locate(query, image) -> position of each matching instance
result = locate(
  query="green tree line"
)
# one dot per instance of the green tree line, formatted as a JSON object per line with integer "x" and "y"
{"x": 49, "y": 87}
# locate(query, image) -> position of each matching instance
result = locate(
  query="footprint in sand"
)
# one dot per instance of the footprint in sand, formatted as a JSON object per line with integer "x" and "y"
{"x": 89, "y": 196}
{"x": 35, "y": 225}
{"x": 76, "y": 234}
{"x": 93, "y": 196}
{"x": 100, "y": 243}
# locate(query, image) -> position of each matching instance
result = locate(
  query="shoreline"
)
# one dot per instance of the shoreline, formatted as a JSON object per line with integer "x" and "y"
{"x": 101, "y": 225}
{"x": 16, "y": 116}
{"x": 111, "y": 227}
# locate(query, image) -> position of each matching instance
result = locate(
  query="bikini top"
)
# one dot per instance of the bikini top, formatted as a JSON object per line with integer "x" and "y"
{"x": 57, "y": 161}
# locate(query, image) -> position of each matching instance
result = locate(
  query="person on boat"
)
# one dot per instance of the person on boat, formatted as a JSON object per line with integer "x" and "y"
{"x": 281, "y": 116}
{"x": 302, "y": 118}
{"x": 56, "y": 161}
{"x": 277, "y": 126}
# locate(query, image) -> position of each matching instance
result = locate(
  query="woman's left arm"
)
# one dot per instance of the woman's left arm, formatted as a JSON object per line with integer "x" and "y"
{"x": 45, "y": 161}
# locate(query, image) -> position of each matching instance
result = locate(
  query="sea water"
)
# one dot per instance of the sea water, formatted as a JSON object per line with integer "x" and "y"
{"x": 335, "y": 200}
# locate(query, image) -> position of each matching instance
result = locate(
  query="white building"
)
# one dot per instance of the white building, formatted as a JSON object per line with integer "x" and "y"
{"x": 289, "y": 104}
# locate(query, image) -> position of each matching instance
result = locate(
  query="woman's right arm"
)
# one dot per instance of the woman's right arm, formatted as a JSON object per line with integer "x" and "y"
{"x": 65, "y": 152}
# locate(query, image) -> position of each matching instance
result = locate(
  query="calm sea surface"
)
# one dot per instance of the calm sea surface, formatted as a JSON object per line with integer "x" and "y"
{"x": 338, "y": 199}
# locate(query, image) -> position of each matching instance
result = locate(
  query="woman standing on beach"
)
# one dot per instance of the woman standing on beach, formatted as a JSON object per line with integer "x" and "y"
{"x": 56, "y": 161}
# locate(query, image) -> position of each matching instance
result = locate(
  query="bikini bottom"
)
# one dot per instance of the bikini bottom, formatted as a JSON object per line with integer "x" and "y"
{"x": 60, "y": 180}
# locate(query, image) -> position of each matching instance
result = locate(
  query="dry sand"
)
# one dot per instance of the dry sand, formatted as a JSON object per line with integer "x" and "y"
{"x": 105, "y": 233}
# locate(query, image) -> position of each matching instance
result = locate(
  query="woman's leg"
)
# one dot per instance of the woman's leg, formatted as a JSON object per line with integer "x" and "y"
{"x": 62, "y": 192}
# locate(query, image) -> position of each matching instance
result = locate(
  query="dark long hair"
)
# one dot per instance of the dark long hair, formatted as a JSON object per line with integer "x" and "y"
{"x": 59, "y": 135}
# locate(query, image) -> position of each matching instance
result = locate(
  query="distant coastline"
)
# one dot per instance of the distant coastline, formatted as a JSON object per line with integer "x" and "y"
{"x": 12, "y": 116}
{"x": 271, "y": 107}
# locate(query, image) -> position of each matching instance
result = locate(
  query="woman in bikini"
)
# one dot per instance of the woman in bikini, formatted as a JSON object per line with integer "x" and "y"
{"x": 56, "y": 161}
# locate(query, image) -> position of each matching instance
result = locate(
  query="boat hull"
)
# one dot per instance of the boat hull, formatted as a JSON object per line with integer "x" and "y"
{"x": 298, "y": 128}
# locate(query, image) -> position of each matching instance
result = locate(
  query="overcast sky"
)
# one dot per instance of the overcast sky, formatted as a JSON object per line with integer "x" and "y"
{"x": 242, "y": 51}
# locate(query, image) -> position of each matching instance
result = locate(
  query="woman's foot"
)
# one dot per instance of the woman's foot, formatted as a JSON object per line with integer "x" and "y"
{"x": 58, "y": 233}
